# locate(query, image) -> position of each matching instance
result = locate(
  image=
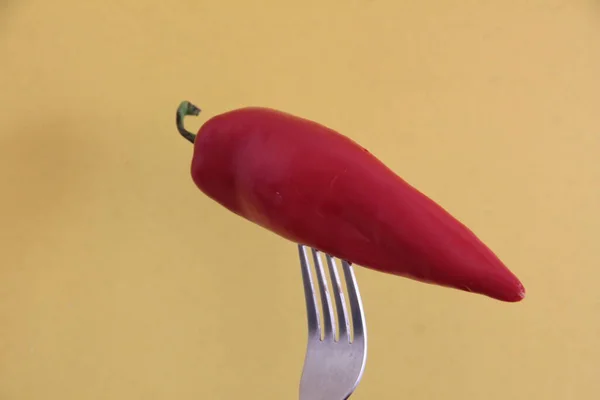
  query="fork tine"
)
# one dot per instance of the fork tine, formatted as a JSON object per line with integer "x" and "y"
{"x": 340, "y": 302}
{"x": 356, "y": 307}
{"x": 312, "y": 311}
{"x": 332, "y": 368}
{"x": 328, "y": 321}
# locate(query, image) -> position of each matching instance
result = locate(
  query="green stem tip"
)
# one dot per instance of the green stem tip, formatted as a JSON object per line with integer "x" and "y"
{"x": 186, "y": 108}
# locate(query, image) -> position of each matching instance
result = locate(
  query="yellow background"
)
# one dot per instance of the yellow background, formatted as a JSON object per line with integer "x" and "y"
{"x": 120, "y": 280}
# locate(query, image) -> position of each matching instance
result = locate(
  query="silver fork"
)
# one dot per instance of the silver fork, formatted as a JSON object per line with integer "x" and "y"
{"x": 333, "y": 366}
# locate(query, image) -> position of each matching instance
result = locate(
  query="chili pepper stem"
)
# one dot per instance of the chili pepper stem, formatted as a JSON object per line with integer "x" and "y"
{"x": 186, "y": 108}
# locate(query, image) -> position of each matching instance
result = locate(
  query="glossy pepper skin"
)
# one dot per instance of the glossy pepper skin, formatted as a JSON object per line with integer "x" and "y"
{"x": 311, "y": 185}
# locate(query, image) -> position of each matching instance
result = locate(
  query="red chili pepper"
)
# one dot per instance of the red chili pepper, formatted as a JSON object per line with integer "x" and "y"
{"x": 314, "y": 186}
